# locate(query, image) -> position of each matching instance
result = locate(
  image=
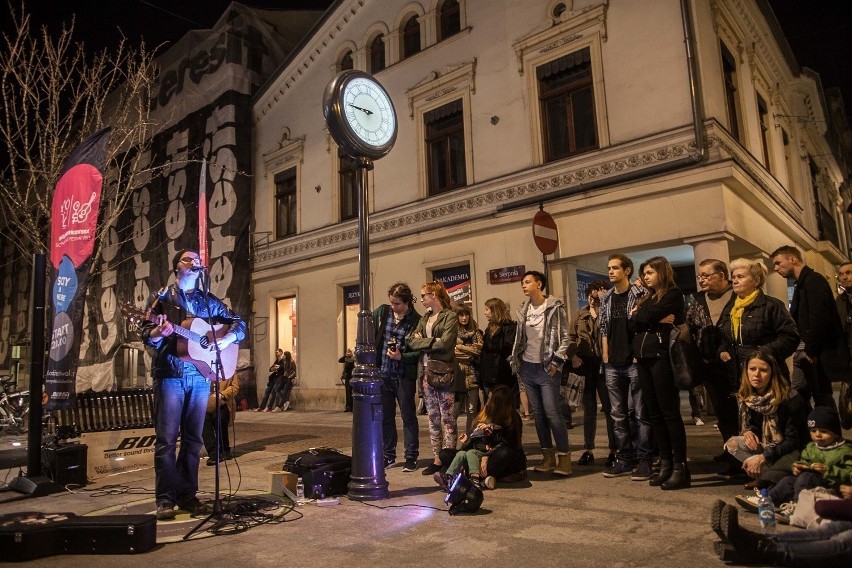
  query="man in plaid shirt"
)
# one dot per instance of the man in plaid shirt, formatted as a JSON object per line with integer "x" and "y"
{"x": 632, "y": 430}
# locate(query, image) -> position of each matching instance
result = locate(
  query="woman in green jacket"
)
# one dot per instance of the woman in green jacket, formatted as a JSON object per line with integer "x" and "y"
{"x": 435, "y": 339}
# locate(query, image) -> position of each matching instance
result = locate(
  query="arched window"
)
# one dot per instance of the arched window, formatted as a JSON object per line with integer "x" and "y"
{"x": 449, "y": 19}
{"x": 411, "y": 37}
{"x": 346, "y": 61}
{"x": 377, "y": 54}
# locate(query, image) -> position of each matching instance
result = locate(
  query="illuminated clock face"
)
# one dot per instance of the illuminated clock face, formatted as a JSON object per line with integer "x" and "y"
{"x": 369, "y": 112}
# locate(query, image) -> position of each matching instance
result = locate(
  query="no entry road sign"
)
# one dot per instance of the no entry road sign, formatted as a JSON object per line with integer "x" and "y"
{"x": 544, "y": 232}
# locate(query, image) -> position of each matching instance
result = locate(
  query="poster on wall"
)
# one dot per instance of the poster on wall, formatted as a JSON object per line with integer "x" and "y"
{"x": 457, "y": 282}
{"x": 584, "y": 278}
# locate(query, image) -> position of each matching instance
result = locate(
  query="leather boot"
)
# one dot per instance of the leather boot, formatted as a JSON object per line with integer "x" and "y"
{"x": 680, "y": 478}
{"x": 563, "y": 468}
{"x": 663, "y": 475}
{"x": 548, "y": 461}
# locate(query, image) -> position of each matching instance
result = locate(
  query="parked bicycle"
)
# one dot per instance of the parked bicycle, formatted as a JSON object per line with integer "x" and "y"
{"x": 14, "y": 407}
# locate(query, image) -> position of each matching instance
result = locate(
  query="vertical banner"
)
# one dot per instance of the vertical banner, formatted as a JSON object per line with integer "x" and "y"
{"x": 202, "y": 214}
{"x": 74, "y": 220}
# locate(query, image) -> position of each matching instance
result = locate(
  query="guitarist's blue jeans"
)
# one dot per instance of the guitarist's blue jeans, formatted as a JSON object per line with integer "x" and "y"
{"x": 179, "y": 408}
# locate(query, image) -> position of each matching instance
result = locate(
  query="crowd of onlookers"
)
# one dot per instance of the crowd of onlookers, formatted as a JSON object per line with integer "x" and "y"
{"x": 780, "y": 430}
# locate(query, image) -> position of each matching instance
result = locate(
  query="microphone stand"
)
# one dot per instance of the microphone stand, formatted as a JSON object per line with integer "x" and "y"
{"x": 218, "y": 515}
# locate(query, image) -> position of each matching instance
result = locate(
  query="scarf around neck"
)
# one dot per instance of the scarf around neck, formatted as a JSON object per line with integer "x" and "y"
{"x": 740, "y": 304}
{"x": 765, "y": 405}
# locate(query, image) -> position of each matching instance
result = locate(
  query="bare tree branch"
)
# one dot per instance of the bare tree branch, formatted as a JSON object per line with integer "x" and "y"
{"x": 52, "y": 96}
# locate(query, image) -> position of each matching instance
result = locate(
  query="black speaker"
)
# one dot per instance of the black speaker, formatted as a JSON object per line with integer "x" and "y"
{"x": 66, "y": 465}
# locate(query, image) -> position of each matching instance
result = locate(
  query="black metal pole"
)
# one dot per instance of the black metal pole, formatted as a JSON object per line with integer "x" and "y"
{"x": 368, "y": 474}
{"x": 35, "y": 483}
{"x": 37, "y": 350}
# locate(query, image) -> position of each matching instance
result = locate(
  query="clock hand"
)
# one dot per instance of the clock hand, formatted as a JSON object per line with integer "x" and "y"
{"x": 368, "y": 112}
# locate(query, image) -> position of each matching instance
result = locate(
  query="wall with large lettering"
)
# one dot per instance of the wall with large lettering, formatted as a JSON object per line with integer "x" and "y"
{"x": 202, "y": 108}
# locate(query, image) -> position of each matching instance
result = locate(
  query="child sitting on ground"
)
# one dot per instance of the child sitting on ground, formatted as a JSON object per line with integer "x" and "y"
{"x": 492, "y": 422}
{"x": 825, "y": 462}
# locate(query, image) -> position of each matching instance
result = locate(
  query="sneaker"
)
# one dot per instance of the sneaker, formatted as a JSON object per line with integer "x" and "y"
{"x": 431, "y": 469}
{"x": 410, "y": 465}
{"x": 195, "y": 507}
{"x": 699, "y": 421}
{"x": 212, "y": 460}
{"x": 165, "y": 511}
{"x": 748, "y": 502}
{"x": 276, "y": 409}
{"x": 642, "y": 472}
{"x": 785, "y": 511}
{"x": 618, "y": 469}
{"x": 389, "y": 462}
{"x": 286, "y": 406}
{"x": 489, "y": 482}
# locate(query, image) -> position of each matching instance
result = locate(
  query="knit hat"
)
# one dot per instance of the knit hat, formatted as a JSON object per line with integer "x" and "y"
{"x": 826, "y": 419}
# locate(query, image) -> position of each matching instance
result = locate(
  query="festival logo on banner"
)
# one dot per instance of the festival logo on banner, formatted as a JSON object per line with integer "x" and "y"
{"x": 74, "y": 218}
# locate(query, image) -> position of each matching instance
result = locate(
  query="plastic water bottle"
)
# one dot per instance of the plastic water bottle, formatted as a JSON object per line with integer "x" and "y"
{"x": 766, "y": 513}
{"x": 300, "y": 489}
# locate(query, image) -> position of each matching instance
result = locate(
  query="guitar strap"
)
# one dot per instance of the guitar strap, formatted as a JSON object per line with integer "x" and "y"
{"x": 172, "y": 307}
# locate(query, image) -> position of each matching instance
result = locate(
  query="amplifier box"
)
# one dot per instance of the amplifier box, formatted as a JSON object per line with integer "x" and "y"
{"x": 66, "y": 464}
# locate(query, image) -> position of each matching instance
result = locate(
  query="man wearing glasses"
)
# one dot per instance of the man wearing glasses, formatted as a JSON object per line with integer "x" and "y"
{"x": 180, "y": 389}
{"x": 701, "y": 317}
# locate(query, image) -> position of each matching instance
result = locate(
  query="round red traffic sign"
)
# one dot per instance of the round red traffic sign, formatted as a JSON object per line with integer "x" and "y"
{"x": 544, "y": 232}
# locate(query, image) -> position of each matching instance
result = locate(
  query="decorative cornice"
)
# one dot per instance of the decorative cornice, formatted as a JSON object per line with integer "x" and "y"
{"x": 305, "y": 58}
{"x": 550, "y": 36}
{"x": 478, "y": 201}
{"x": 436, "y": 84}
{"x": 289, "y": 151}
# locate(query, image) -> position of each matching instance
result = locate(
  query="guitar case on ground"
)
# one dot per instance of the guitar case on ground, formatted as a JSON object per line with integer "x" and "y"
{"x": 29, "y": 535}
{"x": 324, "y": 471}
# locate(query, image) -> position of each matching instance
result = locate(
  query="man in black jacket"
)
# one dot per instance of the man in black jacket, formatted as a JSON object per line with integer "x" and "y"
{"x": 181, "y": 388}
{"x": 701, "y": 317}
{"x": 823, "y": 354}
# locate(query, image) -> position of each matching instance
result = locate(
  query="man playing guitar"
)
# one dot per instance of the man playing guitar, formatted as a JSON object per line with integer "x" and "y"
{"x": 181, "y": 389}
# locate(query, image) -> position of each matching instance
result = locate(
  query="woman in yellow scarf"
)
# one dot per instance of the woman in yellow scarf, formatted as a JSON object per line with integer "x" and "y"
{"x": 753, "y": 320}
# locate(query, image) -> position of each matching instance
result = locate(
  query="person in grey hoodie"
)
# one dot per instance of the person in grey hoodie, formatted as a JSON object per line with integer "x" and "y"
{"x": 539, "y": 352}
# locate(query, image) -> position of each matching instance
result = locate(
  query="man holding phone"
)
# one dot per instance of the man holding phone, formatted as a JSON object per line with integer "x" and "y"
{"x": 398, "y": 368}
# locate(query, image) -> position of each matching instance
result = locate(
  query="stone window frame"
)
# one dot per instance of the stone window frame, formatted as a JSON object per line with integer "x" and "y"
{"x": 436, "y": 90}
{"x": 573, "y": 33}
{"x": 289, "y": 154}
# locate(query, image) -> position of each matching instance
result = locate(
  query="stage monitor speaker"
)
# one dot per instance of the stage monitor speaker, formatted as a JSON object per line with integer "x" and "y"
{"x": 66, "y": 464}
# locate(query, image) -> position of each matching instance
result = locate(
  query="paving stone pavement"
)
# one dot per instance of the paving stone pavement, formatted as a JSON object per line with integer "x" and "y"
{"x": 584, "y": 520}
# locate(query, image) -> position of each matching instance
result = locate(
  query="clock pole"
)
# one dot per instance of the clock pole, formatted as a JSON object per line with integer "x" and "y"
{"x": 368, "y": 473}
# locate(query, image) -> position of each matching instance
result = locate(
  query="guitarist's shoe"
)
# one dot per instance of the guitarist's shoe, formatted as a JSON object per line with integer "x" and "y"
{"x": 165, "y": 511}
{"x": 195, "y": 507}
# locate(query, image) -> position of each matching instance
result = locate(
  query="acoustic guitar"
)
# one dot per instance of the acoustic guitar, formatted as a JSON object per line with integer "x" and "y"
{"x": 195, "y": 343}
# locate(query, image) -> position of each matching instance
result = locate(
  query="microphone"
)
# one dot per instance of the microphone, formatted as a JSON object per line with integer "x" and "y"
{"x": 198, "y": 269}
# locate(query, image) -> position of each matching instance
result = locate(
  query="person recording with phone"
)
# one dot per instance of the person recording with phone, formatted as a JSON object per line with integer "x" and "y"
{"x": 181, "y": 390}
{"x": 398, "y": 368}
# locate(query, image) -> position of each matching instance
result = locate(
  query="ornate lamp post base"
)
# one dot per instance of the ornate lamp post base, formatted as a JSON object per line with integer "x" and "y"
{"x": 368, "y": 473}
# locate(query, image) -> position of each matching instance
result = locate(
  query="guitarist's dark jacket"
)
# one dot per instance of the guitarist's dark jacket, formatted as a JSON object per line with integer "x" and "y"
{"x": 177, "y": 307}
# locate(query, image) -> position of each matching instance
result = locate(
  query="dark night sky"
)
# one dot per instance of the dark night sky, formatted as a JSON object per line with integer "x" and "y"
{"x": 817, "y": 30}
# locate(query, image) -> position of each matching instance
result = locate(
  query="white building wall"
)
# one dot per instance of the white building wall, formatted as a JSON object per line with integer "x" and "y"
{"x": 727, "y": 206}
